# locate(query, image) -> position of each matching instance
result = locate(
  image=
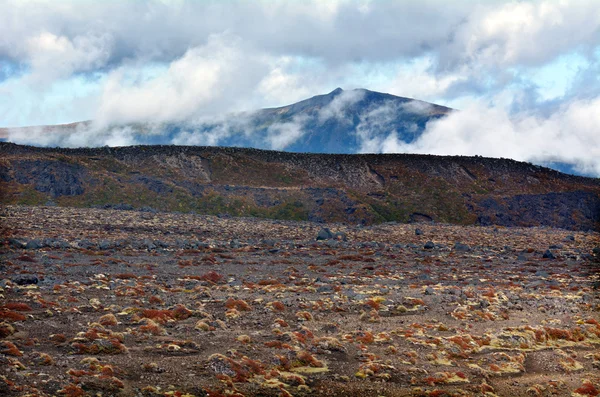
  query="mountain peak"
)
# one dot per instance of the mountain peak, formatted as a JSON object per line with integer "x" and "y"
{"x": 336, "y": 91}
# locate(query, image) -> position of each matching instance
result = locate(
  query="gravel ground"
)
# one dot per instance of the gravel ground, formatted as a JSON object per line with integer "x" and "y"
{"x": 104, "y": 302}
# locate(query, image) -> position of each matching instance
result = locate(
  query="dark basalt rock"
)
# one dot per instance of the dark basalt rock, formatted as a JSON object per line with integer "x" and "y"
{"x": 25, "y": 280}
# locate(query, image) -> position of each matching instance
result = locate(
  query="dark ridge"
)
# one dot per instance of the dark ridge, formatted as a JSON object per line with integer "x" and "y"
{"x": 356, "y": 188}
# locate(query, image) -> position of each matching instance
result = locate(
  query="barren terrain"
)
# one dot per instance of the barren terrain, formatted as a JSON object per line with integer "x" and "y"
{"x": 106, "y": 302}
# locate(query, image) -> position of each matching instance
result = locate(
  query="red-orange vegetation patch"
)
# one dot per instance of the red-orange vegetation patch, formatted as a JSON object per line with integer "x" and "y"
{"x": 180, "y": 312}
{"x": 10, "y": 349}
{"x": 277, "y": 306}
{"x": 587, "y": 389}
{"x": 20, "y": 307}
{"x": 238, "y": 304}
{"x": 125, "y": 276}
{"x": 26, "y": 258}
{"x": 274, "y": 344}
{"x": 58, "y": 338}
{"x": 308, "y": 359}
{"x": 365, "y": 337}
{"x": 155, "y": 300}
{"x": 11, "y": 315}
{"x": 373, "y": 304}
{"x": 6, "y": 330}
{"x": 151, "y": 327}
{"x": 212, "y": 277}
{"x": 72, "y": 390}
{"x": 161, "y": 316}
{"x": 100, "y": 346}
{"x": 557, "y": 333}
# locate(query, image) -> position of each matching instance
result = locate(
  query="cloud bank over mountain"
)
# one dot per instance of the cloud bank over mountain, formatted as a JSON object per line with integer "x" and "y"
{"x": 524, "y": 74}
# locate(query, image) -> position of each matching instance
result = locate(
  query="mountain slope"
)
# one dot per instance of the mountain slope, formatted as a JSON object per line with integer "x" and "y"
{"x": 346, "y": 188}
{"x": 338, "y": 122}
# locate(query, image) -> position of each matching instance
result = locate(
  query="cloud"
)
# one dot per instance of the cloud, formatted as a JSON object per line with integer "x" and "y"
{"x": 337, "y": 107}
{"x": 51, "y": 57}
{"x": 196, "y": 84}
{"x": 281, "y": 135}
{"x": 569, "y": 135}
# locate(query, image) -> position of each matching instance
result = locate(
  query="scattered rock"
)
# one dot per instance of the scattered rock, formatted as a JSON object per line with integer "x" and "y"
{"x": 324, "y": 234}
{"x": 17, "y": 243}
{"x": 429, "y": 245}
{"x": 461, "y": 247}
{"x": 25, "y": 280}
{"x": 418, "y": 232}
{"x": 548, "y": 255}
{"x": 33, "y": 244}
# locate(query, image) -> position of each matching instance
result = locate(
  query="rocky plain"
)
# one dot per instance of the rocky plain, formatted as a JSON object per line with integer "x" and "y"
{"x": 106, "y": 302}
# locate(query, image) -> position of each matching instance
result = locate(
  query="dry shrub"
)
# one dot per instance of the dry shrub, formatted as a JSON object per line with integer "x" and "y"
{"x": 212, "y": 277}
{"x": 276, "y": 306}
{"x": 6, "y": 330}
{"x": 238, "y": 304}
{"x": 304, "y": 316}
{"x": 10, "y": 349}
{"x": 108, "y": 320}
{"x": 152, "y": 327}
{"x": 180, "y": 312}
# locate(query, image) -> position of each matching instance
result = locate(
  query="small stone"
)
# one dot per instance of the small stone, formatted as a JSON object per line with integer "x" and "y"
{"x": 25, "y": 280}
{"x": 429, "y": 245}
{"x": 324, "y": 234}
{"x": 461, "y": 247}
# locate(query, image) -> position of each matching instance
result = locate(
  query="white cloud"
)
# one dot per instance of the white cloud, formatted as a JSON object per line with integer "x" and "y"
{"x": 339, "y": 104}
{"x": 52, "y": 57}
{"x": 569, "y": 135}
{"x": 198, "y": 83}
{"x": 281, "y": 135}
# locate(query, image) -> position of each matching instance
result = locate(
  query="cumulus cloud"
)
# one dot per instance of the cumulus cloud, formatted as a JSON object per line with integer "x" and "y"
{"x": 569, "y": 135}
{"x": 51, "y": 57}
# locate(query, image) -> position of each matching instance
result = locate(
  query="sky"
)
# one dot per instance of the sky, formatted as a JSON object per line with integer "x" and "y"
{"x": 524, "y": 74}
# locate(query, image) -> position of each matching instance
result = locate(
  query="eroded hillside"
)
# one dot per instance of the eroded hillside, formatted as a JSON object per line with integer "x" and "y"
{"x": 342, "y": 188}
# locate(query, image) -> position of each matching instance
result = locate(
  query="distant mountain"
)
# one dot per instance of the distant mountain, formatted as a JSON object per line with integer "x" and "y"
{"x": 367, "y": 188}
{"x": 342, "y": 122}
{"x": 338, "y": 122}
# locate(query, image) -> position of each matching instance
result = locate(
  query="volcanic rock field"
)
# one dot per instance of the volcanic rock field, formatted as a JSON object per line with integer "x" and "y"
{"x": 105, "y": 302}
